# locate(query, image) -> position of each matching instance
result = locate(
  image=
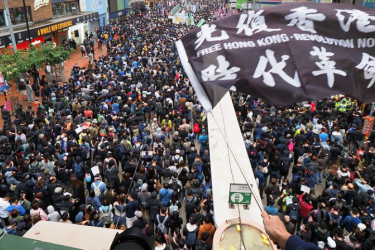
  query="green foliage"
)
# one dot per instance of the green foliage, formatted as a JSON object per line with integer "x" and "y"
{"x": 13, "y": 64}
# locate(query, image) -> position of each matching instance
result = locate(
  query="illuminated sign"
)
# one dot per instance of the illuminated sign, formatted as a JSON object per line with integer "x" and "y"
{"x": 54, "y": 27}
{"x": 40, "y": 3}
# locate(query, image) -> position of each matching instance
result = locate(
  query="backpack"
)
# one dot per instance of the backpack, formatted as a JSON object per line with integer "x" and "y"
{"x": 154, "y": 207}
{"x": 135, "y": 131}
{"x": 293, "y": 214}
{"x": 97, "y": 189}
{"x": 173, "y": 207}
{"x": 106, "y": 215}
{"x": 144, "y": 201}
{"x": 206, "y": 187}
{"x": 333, "y": 221}
{"x": 86, "y": 149}
{"x": 174, "y": 185}
{"x": 167, "y": 139}
{"x": 122, "y": 149}
{"x": 161, "y": 225}
{"x": 291, "y": 146}
{"x": 366, "y": 220}
{"x": 268, "y": 190}
{"x": 87, "y": 215}
{"x": 177, "y": 161}
{"x": 189, "y": 205}
{"x": 285, "y": 163}
{"x": 102, "y": 132}
{"x": 200, "y": 178}
{"x": 43, "y": 218}
{"x": 345, "y": 151}
{"x": 137, "y": 149}
{"x": 88, "y": 177}
{"x": 78, "y": 170}
{"x": 15, "y": 208}
{"x": 197, "y": 198}
{"x": 191, "y": 239}
{"x": 303, "y": 157}
{"x": 196, "y": 128}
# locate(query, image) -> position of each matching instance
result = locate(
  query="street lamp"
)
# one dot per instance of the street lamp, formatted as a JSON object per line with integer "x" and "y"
{"x": 27, "y": 22}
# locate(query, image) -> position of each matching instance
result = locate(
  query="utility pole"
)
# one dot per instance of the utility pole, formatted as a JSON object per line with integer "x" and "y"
{"x": 9, "y": 22}
{"x": 27, "y": 22}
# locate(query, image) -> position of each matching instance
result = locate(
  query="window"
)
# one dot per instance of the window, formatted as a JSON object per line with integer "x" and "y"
{"x": 74, "y": 6}
{"x": 17, "y": 15}
{"x": 61, "y": 9}
{"x": 68, "y": 8}
{"x": 65, "y": 8}
{"x": 54, "y": 10}
{"x": 2, "y": 18}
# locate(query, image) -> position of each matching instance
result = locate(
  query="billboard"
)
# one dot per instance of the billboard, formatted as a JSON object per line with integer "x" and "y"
{"x": 116, "y": 5}
{"x": 369, "y": 4}
{"x": 97, "y": 5}
{"x": 241, "y": 4}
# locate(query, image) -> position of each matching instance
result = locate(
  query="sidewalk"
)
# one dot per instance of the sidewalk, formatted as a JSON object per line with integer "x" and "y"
{"x": 75, "y": 58}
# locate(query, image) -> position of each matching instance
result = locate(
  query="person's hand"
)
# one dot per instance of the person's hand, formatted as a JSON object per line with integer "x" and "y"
{"x": 275, "y": 229}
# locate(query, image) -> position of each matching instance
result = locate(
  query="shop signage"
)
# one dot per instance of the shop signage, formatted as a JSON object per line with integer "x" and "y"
{"x": 239, "y": 194}
{"x": 54, "y": 27}
{"x": 47, "y": 29}
{"x": 40, "y": 3}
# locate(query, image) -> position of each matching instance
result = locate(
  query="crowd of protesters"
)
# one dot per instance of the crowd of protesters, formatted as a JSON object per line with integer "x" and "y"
{"x": 122, "y": 144}
{"x": 314, "y": 168}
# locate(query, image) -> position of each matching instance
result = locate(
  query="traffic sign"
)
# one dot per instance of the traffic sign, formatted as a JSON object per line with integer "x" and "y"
{"x": 239, "y": 194}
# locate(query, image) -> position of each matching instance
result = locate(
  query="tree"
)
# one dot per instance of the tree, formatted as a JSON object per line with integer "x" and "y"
{"x": 13, "y": 64}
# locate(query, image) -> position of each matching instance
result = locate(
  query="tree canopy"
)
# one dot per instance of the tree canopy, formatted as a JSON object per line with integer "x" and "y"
{"x": 12, "y": 64}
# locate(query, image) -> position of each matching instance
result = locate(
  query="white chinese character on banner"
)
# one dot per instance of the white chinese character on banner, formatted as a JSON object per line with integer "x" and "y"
{"x": 303, "y": 17}
{"x": 206, "y": 34}
{"x": 361, "y": 18}
{"x": 255, "y": 23}
{"x": 368, "y": 66}
{"x": 277, "y": 68}
{"x": 326, "y": 65}
{"x": 223, "y": 72}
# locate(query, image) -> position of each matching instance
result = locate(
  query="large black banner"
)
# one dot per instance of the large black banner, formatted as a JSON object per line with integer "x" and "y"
{"x": 285, "y": 54}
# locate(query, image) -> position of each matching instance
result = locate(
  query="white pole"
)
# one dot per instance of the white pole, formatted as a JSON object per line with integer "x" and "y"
{"x": 9, "y": 22}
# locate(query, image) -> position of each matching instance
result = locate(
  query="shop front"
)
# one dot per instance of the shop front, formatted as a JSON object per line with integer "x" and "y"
{"x": 99, "y": 6}
{"x": 56, "y": 32}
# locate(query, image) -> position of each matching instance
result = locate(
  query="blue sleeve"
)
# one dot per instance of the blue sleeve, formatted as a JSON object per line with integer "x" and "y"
{"x": 97, "y": 203}
{"x": 362, "y": 187}
{"x": 296, "y": 243}
{"x": 22, "y": 210}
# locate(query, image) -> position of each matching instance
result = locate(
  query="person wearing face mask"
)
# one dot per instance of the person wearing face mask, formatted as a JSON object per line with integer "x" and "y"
{"x": 304, "y": 232}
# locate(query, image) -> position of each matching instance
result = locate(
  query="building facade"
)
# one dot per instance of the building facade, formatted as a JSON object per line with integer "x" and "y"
{"x": 118, "y": 9}
{"x": 49, "y": 20}
{"x": 99, "y": 6}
